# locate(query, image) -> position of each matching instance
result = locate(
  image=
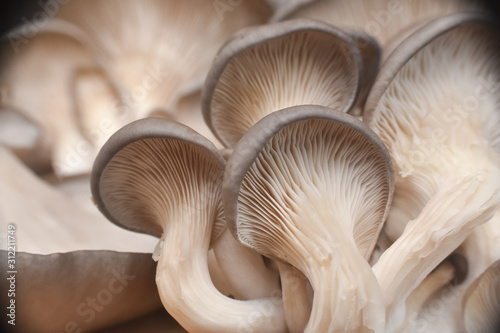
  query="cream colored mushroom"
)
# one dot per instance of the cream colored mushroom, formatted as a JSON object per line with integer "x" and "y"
{"x": 153, "y": 50}
{"x": 161, "y": 177}
{"x": 444, "y": 142}
{"x": 310, "y": 186}
{"x": 46, "y": 102}
{"x": 268, "y": 68}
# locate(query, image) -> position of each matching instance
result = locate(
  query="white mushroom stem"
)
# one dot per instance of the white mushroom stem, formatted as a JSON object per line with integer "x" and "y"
{"x": 320, "y": 243}
{"x": 244, "y": 268}
{"x": 295, "y": 297}
{"x": 98, "y": 105}
{"x": 189, "y": 295}
{"x": 346, "y": 298}
{"x": 447, "y": 219}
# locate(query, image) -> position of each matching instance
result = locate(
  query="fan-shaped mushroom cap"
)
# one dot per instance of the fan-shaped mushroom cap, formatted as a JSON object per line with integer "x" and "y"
{"x": 268, "y": 68}
{"x": 158, "y": 148}
{"x": 153, "y": 49}
{"x": 421, "y": 104}
{"x": 315, "y": 162}
{"x": 157, "y": 176}
{"x": 481, "y": 303}
{"x": 431, "y": 107}
{"x": 311, "y": 186}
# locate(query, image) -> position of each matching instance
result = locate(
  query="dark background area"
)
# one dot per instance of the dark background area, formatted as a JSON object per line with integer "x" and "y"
{"x": 13, "y": 11}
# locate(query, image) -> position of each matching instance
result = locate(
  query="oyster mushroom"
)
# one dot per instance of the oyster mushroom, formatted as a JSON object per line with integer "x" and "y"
{"x": 268, "y": 68}
{"x": 161, "y": 177}
{"x": 310, "y": 186}
{"x": 56, "y": 55}
{"x": 440, "y": 124}
{"x": 153, "y": 50}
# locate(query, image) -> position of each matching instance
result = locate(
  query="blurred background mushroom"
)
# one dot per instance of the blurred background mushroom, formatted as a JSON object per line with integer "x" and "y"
{"x": 142, "y": 61}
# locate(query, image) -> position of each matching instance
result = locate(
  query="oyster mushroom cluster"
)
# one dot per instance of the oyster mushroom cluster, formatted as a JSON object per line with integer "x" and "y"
{"x": 267, "y": 166}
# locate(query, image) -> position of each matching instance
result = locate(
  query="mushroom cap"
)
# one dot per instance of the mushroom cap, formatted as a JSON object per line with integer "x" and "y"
{"x": 430, "y": 106}
{"x": 148, "y": 163}
{"x": 56, "y": 54}
{"x": 422, "y": 107}
{"x": 290, "y": 138}
{"x": 408, "y": 48}
{"x": 156, "y": 45}
{"x": 268, "y": 68}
